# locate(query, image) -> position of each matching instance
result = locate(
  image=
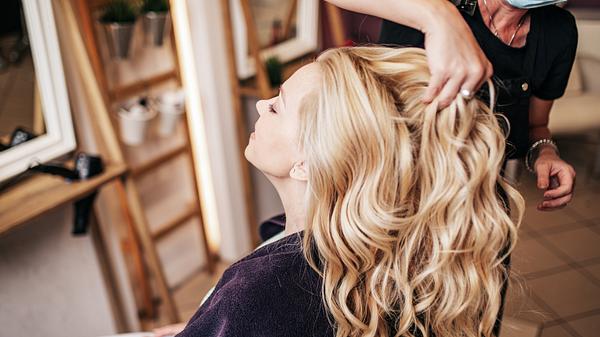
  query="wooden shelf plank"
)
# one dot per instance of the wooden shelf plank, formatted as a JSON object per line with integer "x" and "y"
{"x": 176, "y": 222}
{"x": 163, "y": 158}
{"x": 39, "y": 194}
{"x": 156, "y": 149}
{"x": 132, "y": 89}
{"x": 97, "y": 3}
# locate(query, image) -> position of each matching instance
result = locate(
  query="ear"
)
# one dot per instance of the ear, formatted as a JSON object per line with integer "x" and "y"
{"x": 299, "y": 171}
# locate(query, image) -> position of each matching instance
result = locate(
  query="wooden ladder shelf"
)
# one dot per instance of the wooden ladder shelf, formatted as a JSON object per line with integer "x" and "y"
{"x": 142, "y": 241}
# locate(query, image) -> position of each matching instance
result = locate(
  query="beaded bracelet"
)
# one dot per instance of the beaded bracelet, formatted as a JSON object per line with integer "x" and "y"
{"x": 533, "y": 152}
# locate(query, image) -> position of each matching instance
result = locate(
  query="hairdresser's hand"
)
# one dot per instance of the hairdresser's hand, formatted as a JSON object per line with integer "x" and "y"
{"x": 556, "y": 178}
{"x": 169, "y": 330}
{"x": 455, "y": 59}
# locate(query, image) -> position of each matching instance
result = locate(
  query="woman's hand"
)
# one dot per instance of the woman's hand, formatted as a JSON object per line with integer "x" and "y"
{"x": 169, "y": 330}
{"x": 455, "y": 59}
{"x": 556, "y": 178}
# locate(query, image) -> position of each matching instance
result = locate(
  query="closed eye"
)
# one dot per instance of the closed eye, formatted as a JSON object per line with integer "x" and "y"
{"x": 272, "y": 109}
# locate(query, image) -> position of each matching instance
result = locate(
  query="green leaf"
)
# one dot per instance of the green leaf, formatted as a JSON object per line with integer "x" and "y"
{"x": 155, "y": 6}
{"x": 119, "y": 11}
{"x": 275, "y": 71}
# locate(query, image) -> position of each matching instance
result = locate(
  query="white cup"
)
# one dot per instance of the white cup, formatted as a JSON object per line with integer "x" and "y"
{"x": 134, "y": 123}
{"x": 173, "y": 97}
{"x": 171, "y": 105}
{"x": 169, "y": 116}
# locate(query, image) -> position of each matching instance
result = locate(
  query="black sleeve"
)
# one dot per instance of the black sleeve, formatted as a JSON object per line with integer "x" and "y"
{"x": 555, "y": 82}
{"x": 400, "y": 35}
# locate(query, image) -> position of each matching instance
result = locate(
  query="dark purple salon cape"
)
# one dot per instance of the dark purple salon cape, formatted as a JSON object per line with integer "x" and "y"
{"x": 271, "y": 292}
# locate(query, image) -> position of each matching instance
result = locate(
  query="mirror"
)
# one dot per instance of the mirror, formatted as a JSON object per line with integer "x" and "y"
{"x": 20, "y": 106}
{"x": 286, "y": 29}
{"x": 275, "y": 21}
{"x": 35, "y": 117}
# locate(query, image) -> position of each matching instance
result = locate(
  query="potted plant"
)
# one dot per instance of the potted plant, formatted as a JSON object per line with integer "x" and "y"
{"x": 155, "y": 16}
{"x": 118, "y": 20}
{"x": 274, "y": 70}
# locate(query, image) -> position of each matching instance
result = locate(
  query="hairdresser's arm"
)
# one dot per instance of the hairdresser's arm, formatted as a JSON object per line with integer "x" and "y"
{"x": 548, "y": 163}
{"x": 455, "y": 59}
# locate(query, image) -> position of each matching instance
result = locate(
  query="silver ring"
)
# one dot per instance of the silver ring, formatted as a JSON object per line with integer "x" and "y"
{"x": 466, "y": 93}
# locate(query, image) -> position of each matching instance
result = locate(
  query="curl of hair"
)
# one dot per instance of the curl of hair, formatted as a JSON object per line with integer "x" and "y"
{"x": 405, "y": 222}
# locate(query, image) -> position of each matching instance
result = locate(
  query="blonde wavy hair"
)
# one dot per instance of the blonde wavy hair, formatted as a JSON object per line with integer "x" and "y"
{"x": 405, "y": 222}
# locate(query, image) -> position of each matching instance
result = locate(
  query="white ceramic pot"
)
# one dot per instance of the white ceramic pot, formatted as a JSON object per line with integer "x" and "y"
{"x": 171, "y": 105}
{"x": 134, "y": 122}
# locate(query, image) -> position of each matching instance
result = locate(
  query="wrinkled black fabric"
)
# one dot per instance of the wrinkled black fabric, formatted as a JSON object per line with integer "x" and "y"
{"x": 271, "y": 292}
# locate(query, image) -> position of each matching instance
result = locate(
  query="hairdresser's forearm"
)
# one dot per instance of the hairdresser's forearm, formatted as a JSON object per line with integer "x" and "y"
{"x": 554, "y": 176}
{"x": 539, "y": 115}
{"x": 418, "y": 14}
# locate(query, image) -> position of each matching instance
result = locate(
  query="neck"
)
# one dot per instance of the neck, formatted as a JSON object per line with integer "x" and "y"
{"x": 507, "y": 21}
{"x": 506, "y": 17}
{"x": 292, "y": 194}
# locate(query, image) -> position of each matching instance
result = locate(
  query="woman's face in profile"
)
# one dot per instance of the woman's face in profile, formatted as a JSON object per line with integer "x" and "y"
{"x": 273, "y": 147}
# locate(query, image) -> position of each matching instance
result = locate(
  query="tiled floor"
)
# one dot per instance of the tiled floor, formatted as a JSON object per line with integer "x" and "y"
{"x": 556, "y": 264}
{"x": 555, "y": 288}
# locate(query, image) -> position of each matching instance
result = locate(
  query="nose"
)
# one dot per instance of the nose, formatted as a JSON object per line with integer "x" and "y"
{"x": 260, "y": 106}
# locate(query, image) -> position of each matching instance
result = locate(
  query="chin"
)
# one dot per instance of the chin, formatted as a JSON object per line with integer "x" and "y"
{"x": 254, "y": 158}
{"x": 247, "y": 153}
{"x": 250, "y": 155}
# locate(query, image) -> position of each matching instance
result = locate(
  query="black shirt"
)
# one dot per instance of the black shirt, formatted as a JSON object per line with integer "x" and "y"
{"x": 544, "y": 63}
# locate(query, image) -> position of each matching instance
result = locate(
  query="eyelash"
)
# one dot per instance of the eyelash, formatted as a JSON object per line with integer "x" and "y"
{"x": 271, "y": 109}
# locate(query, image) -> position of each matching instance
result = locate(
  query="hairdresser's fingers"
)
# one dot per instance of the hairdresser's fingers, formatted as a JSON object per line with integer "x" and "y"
{"x": 566, "y": 183}
{"x": 453, "y": 54}
{"x": 436, "y": 83}
{"x": 476, "y": 76}
{"x": 489, "y": 71}
{"x": 450, "y": 90}
{"x": 542, "y": 170}
{"x": 550, "y": 205}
